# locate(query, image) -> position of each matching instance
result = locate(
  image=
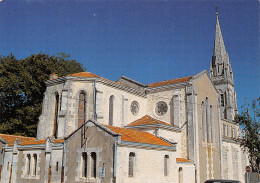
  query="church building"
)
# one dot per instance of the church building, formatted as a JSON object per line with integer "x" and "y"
{"x": 99, "y": 131}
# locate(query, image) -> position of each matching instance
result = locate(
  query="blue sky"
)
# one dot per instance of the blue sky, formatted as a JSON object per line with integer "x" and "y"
{"x": 147, "y": 41}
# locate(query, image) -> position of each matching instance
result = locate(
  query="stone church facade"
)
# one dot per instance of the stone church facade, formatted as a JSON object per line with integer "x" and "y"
{"x": 95, "y": 130}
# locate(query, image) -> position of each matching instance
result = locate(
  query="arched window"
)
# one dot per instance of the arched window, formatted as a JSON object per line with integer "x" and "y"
{"x": 93, "y": 164}
{"x": 82, "y": 109}
{"x": 166, "y": 164}
{"x": 34, "y": 164}
{"x": 180, "y": 175}
{"x": 55, "y": 122}
{"x": 84, "y": 164}
{"x": 28, "y": 164}
{"x": 131, "y": 164}
{"x": 111, "y": 110}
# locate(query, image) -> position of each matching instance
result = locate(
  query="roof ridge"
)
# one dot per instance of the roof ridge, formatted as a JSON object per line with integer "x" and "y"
{"x": 138, "y": 136}
{"x": 146, "y": 118}
{"x": 173, "y": 79}
{"x": 17, "y": 136}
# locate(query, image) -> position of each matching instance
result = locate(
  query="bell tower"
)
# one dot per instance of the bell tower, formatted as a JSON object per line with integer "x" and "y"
{"x": 221, "y": 75}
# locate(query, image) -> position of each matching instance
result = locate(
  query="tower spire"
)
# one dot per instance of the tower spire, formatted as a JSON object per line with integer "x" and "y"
{"x": 222, "y": 76}
{"x": 219, "y": 46}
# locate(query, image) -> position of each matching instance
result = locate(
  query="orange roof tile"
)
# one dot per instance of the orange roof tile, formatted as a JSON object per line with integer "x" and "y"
{"x": 147, "y": 120}
{"x": 137, "y": 136}
{"x": 85, "y": 74}
{"x": 182, "y": 160}
{"x": 170, "y": 82}
{"x": 10, "y": 139}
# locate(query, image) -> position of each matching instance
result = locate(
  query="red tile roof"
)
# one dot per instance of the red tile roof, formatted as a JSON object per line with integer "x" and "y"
{"x": 85, "y": 74}
{"x": 147, "y": 120}
{"x": 170, "y": 82}
{"x": 10, "y": 139}
{"x": 182, "y": 160}
{"x": 137, "y": 136}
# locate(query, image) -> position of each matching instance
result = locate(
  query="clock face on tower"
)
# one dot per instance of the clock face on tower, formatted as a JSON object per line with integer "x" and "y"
{"x": 135, "y": 108}
{"x": 161, "y": 108}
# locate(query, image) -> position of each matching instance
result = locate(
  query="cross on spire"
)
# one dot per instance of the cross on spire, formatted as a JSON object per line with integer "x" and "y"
{"x": 216, "y": 10}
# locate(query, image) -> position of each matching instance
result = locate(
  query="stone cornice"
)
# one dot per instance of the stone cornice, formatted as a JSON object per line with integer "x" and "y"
{"x": 103, "y": 81}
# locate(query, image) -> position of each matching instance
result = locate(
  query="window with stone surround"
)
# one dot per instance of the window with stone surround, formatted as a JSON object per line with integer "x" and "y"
{"x": 166, "y": 165}
{"x": 82, "y": 108}
{"x": 111, "y": 110}
{"x": 30, "y": 168}
{"x": 131, "y": 164}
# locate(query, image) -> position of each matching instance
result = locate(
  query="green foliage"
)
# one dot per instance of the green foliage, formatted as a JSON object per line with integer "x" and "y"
{"x": 22, "y": 85}
{"x": 249, "y": 120}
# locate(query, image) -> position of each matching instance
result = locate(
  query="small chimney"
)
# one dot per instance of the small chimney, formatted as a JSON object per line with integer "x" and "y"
{"x": 53, "y": 76}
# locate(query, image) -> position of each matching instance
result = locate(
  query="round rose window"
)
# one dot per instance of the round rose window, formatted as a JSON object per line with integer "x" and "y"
{"x": 161, "y": 108}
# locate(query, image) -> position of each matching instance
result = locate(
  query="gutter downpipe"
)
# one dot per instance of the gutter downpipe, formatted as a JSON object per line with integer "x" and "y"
{"x": 94, "y": 100}
{"x": 114, "y": 162}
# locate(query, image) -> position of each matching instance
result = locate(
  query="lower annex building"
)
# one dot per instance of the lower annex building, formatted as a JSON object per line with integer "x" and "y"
{"x": 95, "y": 130}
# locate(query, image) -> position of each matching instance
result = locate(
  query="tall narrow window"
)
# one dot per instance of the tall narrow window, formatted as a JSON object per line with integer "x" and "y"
{"x": 203, "y": 121}
{"x": 93, "y": 164}
{"x": 212, "y": 124}
{"x": 111, "y": 110}
{"x": 225, "y": 97}
{"x": 28, "y": 164}
{"x": 84, "y": 165}
{"x": 57, "y": 166}
{"x": 82, "y": 109}
{"x": 34, "y": 164}
{"x": 208, "y": 123}
{"x": 224, "y": 130}
{"x": 227, "y": 131}
{"x": 180, "y": 175}
{"x": 222, "y": 99}
{"x": 131, "y": 164}
{"x": 166, "y": 164}
{"x": 55, "y": 123}
{"x": 233, "y": 135}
